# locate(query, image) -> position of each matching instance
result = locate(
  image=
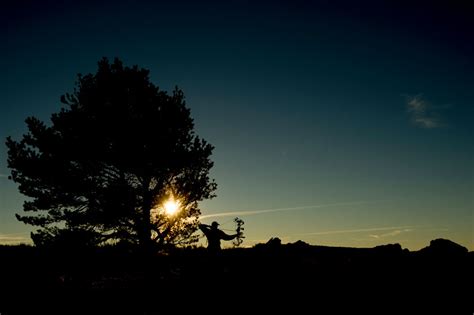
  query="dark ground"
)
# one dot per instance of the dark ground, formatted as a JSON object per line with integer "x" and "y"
{"x": 269, "y": 277}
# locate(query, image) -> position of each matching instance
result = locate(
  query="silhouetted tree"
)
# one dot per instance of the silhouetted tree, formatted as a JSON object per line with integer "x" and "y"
{"x": 111, "y": 156}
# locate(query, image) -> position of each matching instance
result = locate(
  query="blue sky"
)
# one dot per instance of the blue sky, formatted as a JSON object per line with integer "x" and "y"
{"x": 356, "y": 119}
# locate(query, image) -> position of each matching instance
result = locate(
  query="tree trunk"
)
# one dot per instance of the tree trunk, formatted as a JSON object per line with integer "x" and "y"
{"x": 144, "y": 231}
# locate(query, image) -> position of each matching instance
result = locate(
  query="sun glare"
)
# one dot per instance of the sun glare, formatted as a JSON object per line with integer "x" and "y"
{"x": 171, "y": 206}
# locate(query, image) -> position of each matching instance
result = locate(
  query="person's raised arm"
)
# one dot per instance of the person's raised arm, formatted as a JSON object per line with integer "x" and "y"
{"x": 227, "y": 237}
{"x": 204, "y": 227}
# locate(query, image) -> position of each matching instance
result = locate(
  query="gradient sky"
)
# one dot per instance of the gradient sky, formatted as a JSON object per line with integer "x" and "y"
{"x": 334, "y": 123}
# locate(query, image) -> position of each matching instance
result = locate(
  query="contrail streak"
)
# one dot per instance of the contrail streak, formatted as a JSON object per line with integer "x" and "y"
{"x": 262, "y": 211}
{"x": 357, "y": 230}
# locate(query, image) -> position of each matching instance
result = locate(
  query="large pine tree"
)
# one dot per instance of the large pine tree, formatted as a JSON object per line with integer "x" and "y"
{"x": 103, "y": 168}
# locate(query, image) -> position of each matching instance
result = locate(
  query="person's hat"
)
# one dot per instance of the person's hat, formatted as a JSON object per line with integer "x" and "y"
{"x": 214, "y": 224}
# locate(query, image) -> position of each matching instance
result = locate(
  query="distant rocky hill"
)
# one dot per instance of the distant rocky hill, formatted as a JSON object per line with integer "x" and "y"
{"x": 443, "y": 247}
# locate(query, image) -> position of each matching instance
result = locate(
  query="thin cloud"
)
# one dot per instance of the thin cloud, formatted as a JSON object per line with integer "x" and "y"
{"x": 263, "y": 211}
{"x": 390, "y": 228}
{"x": 390, "y": 234}
{"x": 422, "y": 113}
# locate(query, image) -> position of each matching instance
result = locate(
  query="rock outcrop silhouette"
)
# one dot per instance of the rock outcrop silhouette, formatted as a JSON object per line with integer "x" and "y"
{"x": 445, "y": 248}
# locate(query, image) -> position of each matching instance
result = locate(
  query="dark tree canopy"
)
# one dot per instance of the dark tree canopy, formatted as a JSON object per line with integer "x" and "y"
{"x": 102, "y": 169}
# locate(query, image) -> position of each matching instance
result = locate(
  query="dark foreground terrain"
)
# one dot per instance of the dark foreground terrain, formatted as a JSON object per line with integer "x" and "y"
{"x": 269, "y": 277}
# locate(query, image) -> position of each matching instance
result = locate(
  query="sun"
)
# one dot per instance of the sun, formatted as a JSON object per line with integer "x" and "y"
{"x": 171, "y": 206}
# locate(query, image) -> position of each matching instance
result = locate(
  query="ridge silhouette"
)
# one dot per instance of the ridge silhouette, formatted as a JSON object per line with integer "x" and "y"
{"x": 294, "y": 274}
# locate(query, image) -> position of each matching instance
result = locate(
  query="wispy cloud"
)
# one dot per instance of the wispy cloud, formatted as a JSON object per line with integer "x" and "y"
{"x": 263, "y": 211}
{"x": 390, "y": 228}
{"x": 422, "y": 113}
{"x": 390, "y": 234}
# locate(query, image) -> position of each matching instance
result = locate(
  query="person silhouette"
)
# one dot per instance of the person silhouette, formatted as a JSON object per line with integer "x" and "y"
{"x": 215, "y": 235}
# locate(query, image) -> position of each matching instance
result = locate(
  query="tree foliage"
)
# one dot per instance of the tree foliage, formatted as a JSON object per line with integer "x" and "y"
{"x": 109, "y": 159}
